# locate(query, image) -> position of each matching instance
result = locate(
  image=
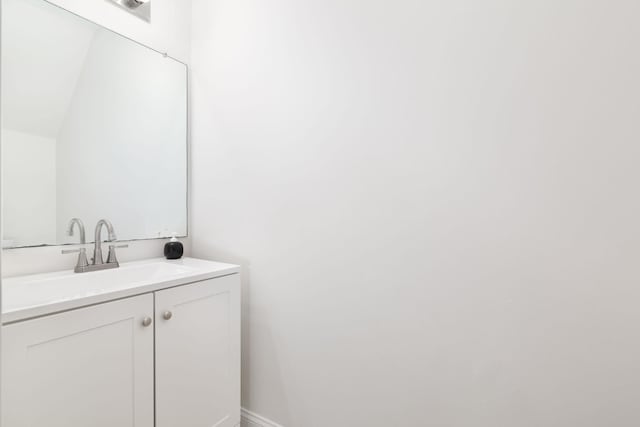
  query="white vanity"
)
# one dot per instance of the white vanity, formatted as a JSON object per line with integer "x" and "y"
{"x": 152, "y": 343}
{"x": 98, "y": 131}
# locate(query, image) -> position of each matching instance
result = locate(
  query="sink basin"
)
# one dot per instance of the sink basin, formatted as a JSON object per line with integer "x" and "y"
{"x": 37, "y": 295}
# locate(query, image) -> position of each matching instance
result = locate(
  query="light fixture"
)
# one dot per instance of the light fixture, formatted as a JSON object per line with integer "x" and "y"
{"x": 140, "y": 8}
{"x": 134, "y": 4}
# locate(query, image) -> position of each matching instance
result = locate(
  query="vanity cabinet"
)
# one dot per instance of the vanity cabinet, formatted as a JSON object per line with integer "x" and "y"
{"x": 198, "y": 354}
{"x": 169, "y": 358}
{"x": 87, "y": 367}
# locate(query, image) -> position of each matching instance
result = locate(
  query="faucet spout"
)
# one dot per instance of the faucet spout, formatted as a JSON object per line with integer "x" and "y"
{"x": 97, "y": 250}
{"x": 80, "y": 224}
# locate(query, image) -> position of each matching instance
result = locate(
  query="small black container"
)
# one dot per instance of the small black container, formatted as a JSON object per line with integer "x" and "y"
{"x": 173, "y": 249}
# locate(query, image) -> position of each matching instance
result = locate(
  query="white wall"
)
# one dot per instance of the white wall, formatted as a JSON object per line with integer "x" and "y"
{"x": 169, "y": 31}
{"x": 29, "y": 188}
{"x": 435, "y": 203}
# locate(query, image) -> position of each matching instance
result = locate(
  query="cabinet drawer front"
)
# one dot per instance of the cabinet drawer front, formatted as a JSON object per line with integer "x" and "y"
{"x": 198, "y": 354}
{"x": 87, "y": 367}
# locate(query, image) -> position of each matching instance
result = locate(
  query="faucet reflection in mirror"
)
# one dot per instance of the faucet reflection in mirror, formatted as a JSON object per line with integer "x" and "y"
{"x": 82, "y": 263}
{"x": 97, "y": 262}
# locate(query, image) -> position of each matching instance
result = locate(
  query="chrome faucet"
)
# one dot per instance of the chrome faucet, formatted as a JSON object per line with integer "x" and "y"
{"x": 97, "y": 262}
{"x": 82, "y": 263}
{"x": 97, "y": 250}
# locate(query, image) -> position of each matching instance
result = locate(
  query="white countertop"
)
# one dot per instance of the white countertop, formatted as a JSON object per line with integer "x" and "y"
{"x": 25, "y": 297}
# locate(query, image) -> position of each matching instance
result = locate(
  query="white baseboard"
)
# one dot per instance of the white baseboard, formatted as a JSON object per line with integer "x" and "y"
{"x": 249, "y": 419}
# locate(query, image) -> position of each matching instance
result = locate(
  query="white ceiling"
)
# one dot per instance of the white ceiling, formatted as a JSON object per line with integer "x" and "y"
{"x": 43, "y": 53}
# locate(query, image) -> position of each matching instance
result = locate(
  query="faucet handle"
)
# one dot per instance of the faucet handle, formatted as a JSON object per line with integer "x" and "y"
{"x": 70, "y": 251}
{"x": 111, "y": 258}
{"x": 82, "y": 258}
{"x": 73, "y": 251}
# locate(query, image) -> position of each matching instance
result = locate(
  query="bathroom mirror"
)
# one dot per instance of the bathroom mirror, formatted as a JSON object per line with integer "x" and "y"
{"x": 94, "y": 125}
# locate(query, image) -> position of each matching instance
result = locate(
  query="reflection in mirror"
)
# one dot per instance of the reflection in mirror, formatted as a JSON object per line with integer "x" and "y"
{"x": 94, "y": 126}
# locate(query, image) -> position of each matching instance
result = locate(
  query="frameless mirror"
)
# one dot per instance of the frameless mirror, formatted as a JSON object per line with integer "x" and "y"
{"x": 94, "y": 125}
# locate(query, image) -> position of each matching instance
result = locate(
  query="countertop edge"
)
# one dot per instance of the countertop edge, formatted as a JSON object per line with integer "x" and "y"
{"x": 29, "y": 313}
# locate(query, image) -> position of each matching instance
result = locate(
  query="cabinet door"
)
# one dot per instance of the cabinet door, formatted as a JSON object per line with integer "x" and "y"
{"x": 198, "y": 354}
{"x": 86, "y": 367}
